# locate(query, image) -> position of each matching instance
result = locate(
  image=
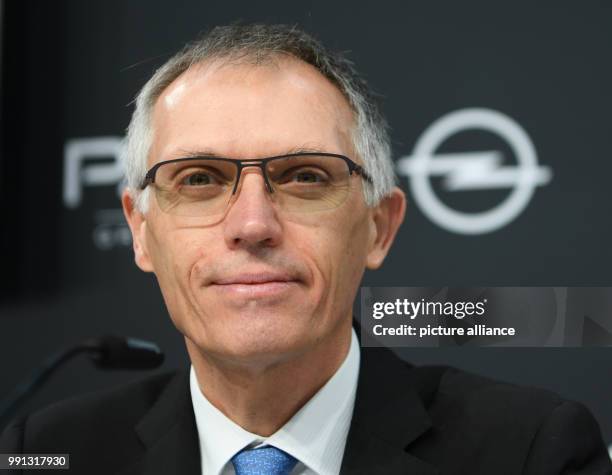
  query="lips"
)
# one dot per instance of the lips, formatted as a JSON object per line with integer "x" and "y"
{"x": 258, "y": 285}
{"x": 254, "y": 278}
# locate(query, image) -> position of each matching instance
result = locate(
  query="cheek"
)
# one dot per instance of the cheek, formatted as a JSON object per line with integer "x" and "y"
{"x": 354, "y": 250}
{"x": 336, "y": 247}
{"x": 173, "y": 252}
{"x": 163, "y": 254}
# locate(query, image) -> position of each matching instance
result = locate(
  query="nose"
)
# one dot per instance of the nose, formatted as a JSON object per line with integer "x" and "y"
{"x": 251, "y": 221}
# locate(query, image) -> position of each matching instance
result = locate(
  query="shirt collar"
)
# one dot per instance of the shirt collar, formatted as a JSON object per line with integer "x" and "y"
{"x": 315, "y": 435}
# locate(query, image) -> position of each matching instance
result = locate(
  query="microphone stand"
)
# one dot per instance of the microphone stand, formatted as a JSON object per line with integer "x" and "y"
{"x": 108, "y": 352}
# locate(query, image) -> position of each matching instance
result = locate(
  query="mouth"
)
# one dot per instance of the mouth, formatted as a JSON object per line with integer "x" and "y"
{"x": 256, "y": 284}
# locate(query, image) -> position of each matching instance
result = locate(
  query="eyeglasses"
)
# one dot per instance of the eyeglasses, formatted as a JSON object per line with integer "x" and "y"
{"x": 203, "y": 186}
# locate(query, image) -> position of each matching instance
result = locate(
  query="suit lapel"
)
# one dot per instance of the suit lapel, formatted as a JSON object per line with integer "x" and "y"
{"x": 389, "y": 415}
{"x": 169, "y": 434}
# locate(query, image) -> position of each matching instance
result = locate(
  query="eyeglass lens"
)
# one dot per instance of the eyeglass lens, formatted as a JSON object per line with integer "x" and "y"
{"x": 203, "y": 187}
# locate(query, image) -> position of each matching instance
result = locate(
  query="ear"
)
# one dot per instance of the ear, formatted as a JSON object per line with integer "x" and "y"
{"x": 386, "y": 220}
{"x": 138, "y": 226}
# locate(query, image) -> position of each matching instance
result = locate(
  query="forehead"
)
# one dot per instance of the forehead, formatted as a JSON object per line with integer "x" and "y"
{"x": 245, "y": 110}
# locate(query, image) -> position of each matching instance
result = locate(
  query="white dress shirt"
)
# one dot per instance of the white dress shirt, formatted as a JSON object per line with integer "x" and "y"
{"x": 315, "y": 435}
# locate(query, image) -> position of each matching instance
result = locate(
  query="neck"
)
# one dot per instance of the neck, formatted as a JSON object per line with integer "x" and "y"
{"x": 262, "y": 399}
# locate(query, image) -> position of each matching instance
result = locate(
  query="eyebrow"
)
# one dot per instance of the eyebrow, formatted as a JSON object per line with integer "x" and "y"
{"x": 210, "y": 153}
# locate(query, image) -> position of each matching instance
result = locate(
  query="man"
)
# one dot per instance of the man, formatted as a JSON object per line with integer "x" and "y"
{"x": 260, "y": 188}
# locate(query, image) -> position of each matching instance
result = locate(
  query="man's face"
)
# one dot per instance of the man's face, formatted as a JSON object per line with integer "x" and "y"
{"x": 308, "y": 266}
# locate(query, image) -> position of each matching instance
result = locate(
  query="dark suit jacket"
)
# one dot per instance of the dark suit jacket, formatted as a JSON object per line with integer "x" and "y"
{"x": 407, "y": 420}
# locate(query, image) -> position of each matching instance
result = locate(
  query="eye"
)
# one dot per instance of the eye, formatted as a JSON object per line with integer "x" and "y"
{"x": 198, "y": 179}
{"x": 307, "y": 177}
{"x": 192, "y": 177}
{"x": 304, "y": 176}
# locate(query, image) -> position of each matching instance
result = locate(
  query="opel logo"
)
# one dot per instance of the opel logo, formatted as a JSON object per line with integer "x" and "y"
{"x": 477, "y": 170}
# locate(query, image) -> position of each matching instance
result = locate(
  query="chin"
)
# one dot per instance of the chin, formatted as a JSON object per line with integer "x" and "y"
{"x": 262, "y": 339}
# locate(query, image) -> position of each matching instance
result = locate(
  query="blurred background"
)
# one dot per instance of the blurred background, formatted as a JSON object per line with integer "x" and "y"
{"x": 510, "y": 100}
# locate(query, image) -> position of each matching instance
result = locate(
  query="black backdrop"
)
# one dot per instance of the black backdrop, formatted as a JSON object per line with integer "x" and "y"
{"x": 71, "y": 68}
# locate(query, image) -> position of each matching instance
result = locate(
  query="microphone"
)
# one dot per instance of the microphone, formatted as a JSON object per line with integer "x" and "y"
{"x": 107, "y": 352}
{"x": 115, "y": 352}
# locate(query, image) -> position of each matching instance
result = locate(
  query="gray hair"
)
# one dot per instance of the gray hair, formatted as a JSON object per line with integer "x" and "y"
{"x": 256, "y": 43}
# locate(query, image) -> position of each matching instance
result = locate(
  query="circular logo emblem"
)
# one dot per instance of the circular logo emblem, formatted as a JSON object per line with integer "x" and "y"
{"x": 479, "y": 170}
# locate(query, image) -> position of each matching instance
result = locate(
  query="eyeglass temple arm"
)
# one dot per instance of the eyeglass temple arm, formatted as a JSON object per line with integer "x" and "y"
{"x": 360, "y": 171}
{"x": 147, "y": 180}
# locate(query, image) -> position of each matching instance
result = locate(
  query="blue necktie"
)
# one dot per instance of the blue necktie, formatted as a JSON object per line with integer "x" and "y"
{"x": 265, "y": 460}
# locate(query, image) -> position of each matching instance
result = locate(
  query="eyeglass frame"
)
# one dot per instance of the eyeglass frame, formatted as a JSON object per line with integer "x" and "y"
{"x": 149, "y": 178}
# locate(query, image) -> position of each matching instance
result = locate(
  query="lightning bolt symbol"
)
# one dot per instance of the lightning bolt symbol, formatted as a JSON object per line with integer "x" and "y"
{"x": 473, "y": 170}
